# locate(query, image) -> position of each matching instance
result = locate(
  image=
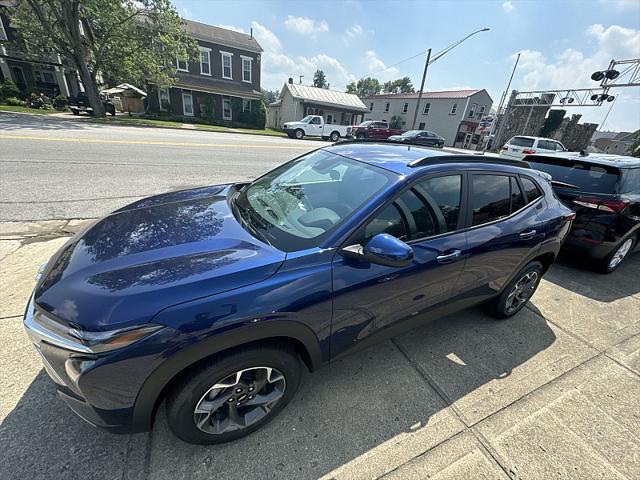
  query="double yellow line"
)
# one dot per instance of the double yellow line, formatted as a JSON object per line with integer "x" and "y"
{"x": 148, "y": 142}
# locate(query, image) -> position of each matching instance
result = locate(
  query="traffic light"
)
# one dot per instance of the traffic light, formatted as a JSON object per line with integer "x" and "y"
{"x": 608, "y": 74}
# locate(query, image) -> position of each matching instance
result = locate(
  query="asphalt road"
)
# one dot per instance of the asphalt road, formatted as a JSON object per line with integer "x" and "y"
{"x": 52, "y": 167}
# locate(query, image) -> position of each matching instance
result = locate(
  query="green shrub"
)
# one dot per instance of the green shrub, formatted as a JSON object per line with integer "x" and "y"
{"x": 60, "y": 102}
{"x": 14, "y": 102}
{"x": 8, "y": 89}
{"x": 39, "y": 101}
{"x": 259, "y": 114}
{"x": 208, "y": 109}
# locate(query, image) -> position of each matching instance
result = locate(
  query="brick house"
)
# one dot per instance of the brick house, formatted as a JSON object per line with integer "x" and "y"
{"x": 227, "y": 76}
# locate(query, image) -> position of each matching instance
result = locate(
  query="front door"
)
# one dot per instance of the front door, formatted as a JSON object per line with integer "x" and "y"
{"x": 369, "y": 298}
{"x": 187, "y": 104}
{"x": 18, "y": 77}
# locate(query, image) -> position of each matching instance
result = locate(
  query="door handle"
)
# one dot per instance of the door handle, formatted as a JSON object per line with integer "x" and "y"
{"x": 528, "y": 235}
{"x": 449, "y": 257}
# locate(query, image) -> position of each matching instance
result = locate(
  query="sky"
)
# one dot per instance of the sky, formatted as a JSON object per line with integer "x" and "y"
{"x": 561, "y": 43}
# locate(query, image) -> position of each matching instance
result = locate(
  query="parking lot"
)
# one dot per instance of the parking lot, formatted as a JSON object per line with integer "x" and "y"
{"x": 551, "y": 393}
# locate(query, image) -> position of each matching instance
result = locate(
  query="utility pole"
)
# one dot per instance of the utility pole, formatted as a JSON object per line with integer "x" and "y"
{"x": 504, "y": 96}
{"x": 424, "y": 78}
{"x": 301, "y": 77}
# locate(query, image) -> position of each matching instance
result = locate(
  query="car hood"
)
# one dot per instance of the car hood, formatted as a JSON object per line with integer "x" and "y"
{"x": 397, "y": 138}
{"x": 150, "y": 255}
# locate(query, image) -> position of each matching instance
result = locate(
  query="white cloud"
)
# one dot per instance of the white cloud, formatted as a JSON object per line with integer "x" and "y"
{"x": 353, "y": 31}
{"x": 620, "y": 4}
{"x": 231, "y": 27}
{"x": 305, "y": 25}
{"x": 185, "y": 12}
{"x": 508, "y": 6}
{"x": 377, "y": 67}
{"x": 277, "y": 66}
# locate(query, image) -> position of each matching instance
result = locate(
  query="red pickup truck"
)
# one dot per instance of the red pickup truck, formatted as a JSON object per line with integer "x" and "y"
{"x": 374, "y": 129}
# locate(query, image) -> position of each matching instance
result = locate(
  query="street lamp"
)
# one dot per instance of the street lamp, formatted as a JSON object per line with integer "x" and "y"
{"x": 430, "y": 61}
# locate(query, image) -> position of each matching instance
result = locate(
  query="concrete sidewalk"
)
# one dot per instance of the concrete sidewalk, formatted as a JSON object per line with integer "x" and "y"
{"x": 552, "y": 393}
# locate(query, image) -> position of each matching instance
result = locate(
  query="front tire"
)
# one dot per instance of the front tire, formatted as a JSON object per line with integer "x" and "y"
{"x": 517, "y": 293}
{"x": 299, "y": 134}
{"x": 612, "y": 261}
{"x": 360, "y": 136}
{"x": 233, "y": 394}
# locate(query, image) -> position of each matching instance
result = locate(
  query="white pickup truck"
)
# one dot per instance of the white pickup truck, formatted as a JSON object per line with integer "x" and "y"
{"x": 314, "y": 126}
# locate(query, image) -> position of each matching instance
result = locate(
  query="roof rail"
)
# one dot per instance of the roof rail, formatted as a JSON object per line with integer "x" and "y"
{"x": 381, "y": 140}
{"x": 466, "y": 158}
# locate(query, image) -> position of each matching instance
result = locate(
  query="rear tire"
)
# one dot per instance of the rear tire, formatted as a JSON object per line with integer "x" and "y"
{"x": 517, "y": 293}
{"x": 611, "y": 262}
{"x": 334, "y": 137}
{"x": 360, "y": 136}
{"x": 269, "y": 378}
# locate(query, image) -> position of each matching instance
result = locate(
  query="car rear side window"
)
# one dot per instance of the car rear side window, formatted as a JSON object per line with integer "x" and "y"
{"x": 531, "y": 189}
{"x": 491, "y": 198}
{"x": 631, "y": 183}
{"x": 517, "y": 199}
{"x": 521, "y": 142}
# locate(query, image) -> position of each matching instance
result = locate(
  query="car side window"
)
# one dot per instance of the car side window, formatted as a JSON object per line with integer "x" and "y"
{"x": 390, "y": 221}
{"x": 315, "y": 121}
{"x": 546, "y": 145}
{"x": 491, "y": 198}
{"x": 531, "y": 189}
{"x": 517, "y": 199}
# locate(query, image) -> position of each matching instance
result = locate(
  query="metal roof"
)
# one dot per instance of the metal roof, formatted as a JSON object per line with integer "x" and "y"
{"x": 439, "y": 94}
{"x": 326, "y": 97}
{"x": 222, "y": 36}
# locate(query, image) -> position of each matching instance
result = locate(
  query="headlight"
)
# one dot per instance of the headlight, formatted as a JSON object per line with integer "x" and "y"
{"x": 86, "y": 341}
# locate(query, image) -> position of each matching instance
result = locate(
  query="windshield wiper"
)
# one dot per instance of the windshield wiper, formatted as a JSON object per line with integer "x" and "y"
{"x": 564, "y": 185}
{"x": 246, "y": 219}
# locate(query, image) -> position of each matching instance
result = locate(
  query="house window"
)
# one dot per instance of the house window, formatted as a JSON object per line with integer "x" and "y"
{"x": 246, "y": 105}
{"x": 187, "y": 104}
{"x": 421, "y": 126}
{"x": 246, "y": 69}
{"x": 483, "y": 109}
{"x": 227, "y": 70}
{"x": 182, "y": 65}
{"x": 205, "y": 61}
{"x": 386, "y": 107}
{"x": 405, "y": 107}
{"x": 472, "y": 112}
{"x": 3, "y": 33}
{"x": 226, "y": 107}
{"x": 163, "y": 99}
{"x": 44, "y": 76}
{"x": 371, "y": 107}
{"x": 427, "y": 106}
{"x": 454, "y": 107}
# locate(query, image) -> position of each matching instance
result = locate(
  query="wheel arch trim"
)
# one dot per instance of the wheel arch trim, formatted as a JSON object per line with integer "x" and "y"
{"x": 153, "y": 388}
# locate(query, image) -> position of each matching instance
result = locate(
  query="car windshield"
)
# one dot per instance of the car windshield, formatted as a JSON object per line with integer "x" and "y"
{"x": 298, "y": 204}
{"x": 588, "y": 177}
{"x": 306, "y": 119}
{"x": 365, "y": 123}
{"x": 411, "y": 133}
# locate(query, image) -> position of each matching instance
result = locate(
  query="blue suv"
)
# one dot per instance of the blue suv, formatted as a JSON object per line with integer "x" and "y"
{"x": 214, "y": 299}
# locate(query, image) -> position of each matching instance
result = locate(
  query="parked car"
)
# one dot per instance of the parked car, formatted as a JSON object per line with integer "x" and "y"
{"x": 80, "y": 103}
{"x": 314, "y": 126}
{"x": 519, "y": 147}
{"x": 604, "y": 191}
{"x": 215, "y": 298}
{"x": 423, "y": 137}
{"x": 376, "y": 130}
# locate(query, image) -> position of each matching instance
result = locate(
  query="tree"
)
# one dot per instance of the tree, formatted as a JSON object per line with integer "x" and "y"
{"x": 269, "y": 96}
{"x": 634, "y": 148}
{"x": 136, "y": 41}
{"x": 401, "y": 85}
{"x": 320, "y": 80}
{"x": 365, "y": 87}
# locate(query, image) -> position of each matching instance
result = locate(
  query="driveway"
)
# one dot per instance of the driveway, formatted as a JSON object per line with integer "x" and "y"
{"x": 552, "y": 393}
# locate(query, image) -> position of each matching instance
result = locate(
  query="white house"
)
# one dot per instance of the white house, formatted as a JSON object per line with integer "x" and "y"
{"x": 296, "y": 101}
{"x": 452, "y": 114}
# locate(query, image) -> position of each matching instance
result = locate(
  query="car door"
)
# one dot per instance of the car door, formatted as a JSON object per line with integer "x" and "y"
{"x": 370, "y": 298}
{"x": 504, "y": 233}
{"x": 315, "y": 127}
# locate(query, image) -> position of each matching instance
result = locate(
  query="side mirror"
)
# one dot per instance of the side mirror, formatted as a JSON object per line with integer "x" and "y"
{"x": 383, "y": 249}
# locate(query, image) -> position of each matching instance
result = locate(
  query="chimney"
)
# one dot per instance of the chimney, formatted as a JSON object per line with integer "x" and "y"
{"x": 290, "y": 81}
{"x": 251, "y": 33}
